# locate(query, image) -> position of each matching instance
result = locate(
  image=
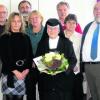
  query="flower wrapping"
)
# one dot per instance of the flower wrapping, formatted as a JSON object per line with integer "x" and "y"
{"x": 52, "y": 63}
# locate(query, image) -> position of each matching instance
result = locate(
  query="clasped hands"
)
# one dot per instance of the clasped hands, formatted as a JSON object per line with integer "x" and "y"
{"x": 21, "y": 75}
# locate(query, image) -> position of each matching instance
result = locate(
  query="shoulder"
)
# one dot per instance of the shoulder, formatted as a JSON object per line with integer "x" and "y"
{"x": 4, "y": 36}
{"x": 88, "y": 25}
{"x": 44, "y": 41}
{"x": 87, "y": 28}
{"x": 25, "y": 36}
{"x": 65, "y": 41}
{"x": 77, "y": 35}
{"x": 4, "y": 40}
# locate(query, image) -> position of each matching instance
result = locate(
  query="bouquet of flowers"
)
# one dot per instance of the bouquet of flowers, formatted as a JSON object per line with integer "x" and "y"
{"x": 52, "y": 63}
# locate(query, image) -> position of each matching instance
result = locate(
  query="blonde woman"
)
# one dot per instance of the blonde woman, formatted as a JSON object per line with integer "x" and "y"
{"x": 35, "y": 32}
{"x": 16, "y": 56}
{"x": 35, "y": 28}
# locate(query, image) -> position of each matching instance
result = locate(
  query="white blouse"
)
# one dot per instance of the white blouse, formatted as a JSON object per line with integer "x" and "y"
{"x": 53, "y": 42}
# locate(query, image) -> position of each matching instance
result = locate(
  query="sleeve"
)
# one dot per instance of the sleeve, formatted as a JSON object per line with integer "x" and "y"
{"x": 30, "y": 55}
{"x": 5, "y": 54}
{"x": 70, "y": 54}
{"x": 40, "y": 49}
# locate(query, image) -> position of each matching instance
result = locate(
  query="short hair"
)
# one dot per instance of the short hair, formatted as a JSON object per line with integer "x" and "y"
{"x": 63, "y": 3}
{"x": 8, "y": 24}
{"x": 37, "y": 13}
{"x": 70, "y": 17}
{"x": 24, "y": 1}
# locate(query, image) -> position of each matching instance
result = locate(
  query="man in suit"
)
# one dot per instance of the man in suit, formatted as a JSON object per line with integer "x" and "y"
{"x": 90, "y": 53}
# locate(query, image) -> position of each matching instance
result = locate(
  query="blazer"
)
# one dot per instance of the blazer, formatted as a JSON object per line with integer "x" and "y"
{"x": 83, "y": 38}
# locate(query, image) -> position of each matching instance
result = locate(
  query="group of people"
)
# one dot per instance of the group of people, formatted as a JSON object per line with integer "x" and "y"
{"x": 23, "y": 37}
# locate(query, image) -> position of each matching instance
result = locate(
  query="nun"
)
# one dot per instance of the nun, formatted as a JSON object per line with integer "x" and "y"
{"x": 59, "y": 86}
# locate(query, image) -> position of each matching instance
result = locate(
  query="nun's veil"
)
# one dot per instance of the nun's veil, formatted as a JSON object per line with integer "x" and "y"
{"x": 52, "y": 22}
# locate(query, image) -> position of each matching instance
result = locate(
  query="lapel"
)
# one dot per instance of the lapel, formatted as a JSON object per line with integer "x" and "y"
{"x": 83, "y": 38}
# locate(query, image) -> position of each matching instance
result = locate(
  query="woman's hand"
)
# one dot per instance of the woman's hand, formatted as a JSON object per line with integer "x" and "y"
{"x": 18, "y": 74}
{"x": 25, "y": 72}
{"x": 76, "y": 69}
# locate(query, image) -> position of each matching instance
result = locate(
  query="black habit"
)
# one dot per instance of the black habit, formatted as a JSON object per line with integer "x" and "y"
{"x": 60, "y": 86}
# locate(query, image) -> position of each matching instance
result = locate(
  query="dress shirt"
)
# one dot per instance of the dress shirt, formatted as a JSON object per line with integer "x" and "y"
{"x": 87, "y": 45}
{"x": 53, "y": 42}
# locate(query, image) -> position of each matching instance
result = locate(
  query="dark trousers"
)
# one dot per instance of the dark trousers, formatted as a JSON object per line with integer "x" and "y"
{"x": 93, "y": 79}
{"x": 13, "y": 97}
{"x": 78, "y": 87}
{"x": 31, "y": 81}
{"x": 55, "y": 95}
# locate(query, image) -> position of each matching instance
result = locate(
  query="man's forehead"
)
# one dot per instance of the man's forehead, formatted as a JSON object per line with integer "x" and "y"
{"x": 3, "y": 8}
{"x": 25, "y": 4}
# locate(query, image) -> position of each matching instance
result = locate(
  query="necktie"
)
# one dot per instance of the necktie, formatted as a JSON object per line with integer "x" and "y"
{"x": 95, "y": 43}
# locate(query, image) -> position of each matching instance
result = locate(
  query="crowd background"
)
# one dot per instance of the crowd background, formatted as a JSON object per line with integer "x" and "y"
{"x": 50, "y": 11}
{"x": 81, "y": 8}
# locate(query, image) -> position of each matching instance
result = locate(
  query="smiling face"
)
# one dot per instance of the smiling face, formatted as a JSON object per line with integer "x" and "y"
{"x": 53, "y": 31}
{"x": 3, "y": 14}
{"x": 35, "y": 19}
{"x": 63, "y": 11}
{"x": 71, "y": 25}
{"x": 16, "y": 24}
{"x": 96, "y": 12}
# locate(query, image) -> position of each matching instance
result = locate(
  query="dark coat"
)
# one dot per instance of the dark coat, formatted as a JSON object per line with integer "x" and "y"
{"x": 13, "y": 48}
{"x": 83, "y": 38}
{"x": 57, "y": 87}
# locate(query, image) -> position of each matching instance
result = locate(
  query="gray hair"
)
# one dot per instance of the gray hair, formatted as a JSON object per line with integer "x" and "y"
{"x": 63, "y": 3}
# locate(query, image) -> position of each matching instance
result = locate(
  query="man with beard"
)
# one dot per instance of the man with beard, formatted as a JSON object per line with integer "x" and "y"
{"x": 25, "y": 8}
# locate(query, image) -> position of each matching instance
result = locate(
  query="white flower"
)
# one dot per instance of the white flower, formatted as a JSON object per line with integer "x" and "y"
{"x": 52, "y": 63}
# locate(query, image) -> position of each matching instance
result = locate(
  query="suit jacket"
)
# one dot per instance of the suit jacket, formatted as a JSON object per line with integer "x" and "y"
{"x": 83, "y": 38}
